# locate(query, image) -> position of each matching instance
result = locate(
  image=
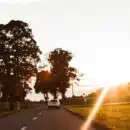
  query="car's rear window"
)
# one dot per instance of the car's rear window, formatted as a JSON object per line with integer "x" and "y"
{"x": 53, "y": 101}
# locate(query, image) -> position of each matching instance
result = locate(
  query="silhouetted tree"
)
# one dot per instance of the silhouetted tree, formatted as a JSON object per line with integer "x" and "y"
{"x": 19, "y": 55}
{"x": 43, "y": 83}
{"x": 62, "y": 73}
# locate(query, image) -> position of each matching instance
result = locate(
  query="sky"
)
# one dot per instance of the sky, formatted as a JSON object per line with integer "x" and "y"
{"x": 97, "y": 32}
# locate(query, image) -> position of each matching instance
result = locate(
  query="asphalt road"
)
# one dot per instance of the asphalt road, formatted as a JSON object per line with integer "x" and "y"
{"x": 41, "y": 119}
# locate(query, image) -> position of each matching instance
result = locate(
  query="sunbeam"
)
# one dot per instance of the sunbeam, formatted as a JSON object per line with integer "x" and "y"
{"x": 88, "y": 121}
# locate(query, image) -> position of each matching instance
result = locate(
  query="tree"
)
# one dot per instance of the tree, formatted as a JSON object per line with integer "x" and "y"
{"x": 19, "y": 56}
{"x": 62, "y": 73}
{"x": 43, "y": 83}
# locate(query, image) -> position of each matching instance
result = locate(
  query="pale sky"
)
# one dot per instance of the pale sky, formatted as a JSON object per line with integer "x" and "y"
{"x": 96, "y": 31}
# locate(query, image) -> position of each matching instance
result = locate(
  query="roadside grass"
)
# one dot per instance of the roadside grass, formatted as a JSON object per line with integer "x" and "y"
{"x": 6, "y": 113}
{"x": 116, "y": 117}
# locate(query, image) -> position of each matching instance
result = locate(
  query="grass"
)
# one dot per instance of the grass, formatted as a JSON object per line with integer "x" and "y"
{"x": 6, "y": 113}
{"x": 116, "y": 117}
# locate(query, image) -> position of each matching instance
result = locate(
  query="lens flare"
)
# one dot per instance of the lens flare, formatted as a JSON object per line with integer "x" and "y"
{"x": 88, "y": 121}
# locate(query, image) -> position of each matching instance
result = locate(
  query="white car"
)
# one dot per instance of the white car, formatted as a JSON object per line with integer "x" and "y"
{"x": 54, "y": 104}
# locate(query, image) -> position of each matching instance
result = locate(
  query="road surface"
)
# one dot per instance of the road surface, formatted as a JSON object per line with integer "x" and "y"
{"x": 40, "y": 119}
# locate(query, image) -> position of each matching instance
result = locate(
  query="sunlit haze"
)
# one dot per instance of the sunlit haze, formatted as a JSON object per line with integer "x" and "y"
{"x": 97, "y": 32}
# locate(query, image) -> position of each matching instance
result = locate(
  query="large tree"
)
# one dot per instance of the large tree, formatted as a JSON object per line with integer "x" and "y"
{"x": 62, "y": 73}
{"x": 19, "y": 55}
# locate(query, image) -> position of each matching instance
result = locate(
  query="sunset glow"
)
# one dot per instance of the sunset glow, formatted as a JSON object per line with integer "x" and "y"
{"x": 96, "y": 32}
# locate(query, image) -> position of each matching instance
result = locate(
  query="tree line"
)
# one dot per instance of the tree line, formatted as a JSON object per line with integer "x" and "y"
{"x": 117, "y": 94}
{"x": 60, "y": 77}
{"x": 19, "y": 58}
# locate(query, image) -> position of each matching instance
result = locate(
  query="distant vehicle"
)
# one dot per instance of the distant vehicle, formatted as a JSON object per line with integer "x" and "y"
{"x": 54, "y": 103}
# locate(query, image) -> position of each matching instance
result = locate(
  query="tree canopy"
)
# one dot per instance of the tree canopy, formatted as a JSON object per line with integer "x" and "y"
{"x": 61, "y": 74}
{"x": 43, "y": 83}
{"x": 19, "y": 55}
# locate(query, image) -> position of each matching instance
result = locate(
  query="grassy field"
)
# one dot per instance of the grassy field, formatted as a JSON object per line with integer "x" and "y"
{"x": 116, "y": 117}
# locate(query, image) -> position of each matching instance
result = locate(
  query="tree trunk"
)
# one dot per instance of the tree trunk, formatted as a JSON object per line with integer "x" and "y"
{"x": 63, "y": 95}
{"x": 55, "y": 95}
{"x": 4, "y": 97}
{"x": 11, "y": 105}
{"x": 45, "y": 96}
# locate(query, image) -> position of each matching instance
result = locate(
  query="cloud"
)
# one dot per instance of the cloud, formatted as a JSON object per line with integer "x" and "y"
{"x": 18, "y": 1}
